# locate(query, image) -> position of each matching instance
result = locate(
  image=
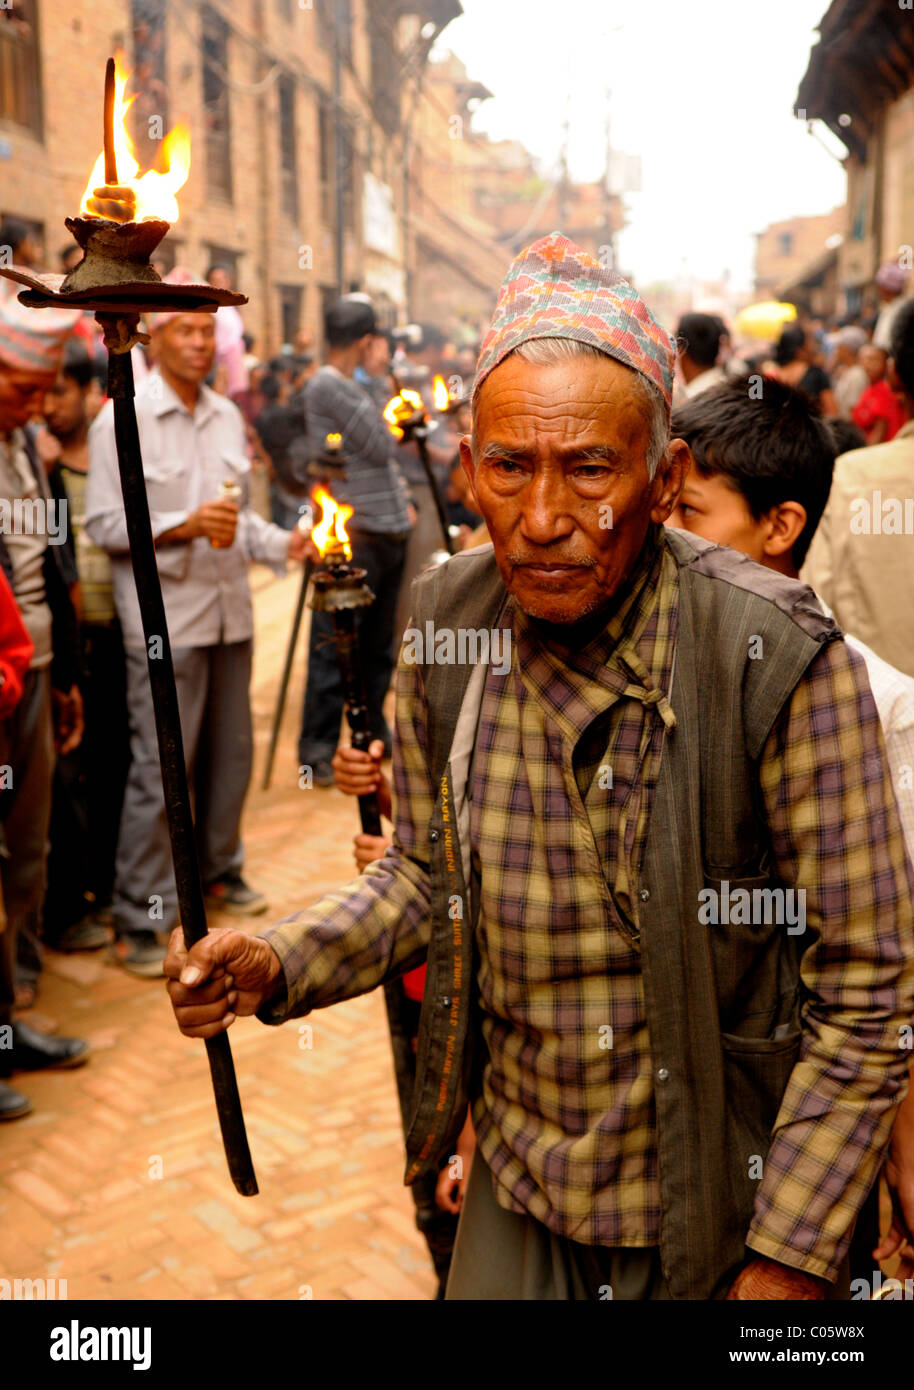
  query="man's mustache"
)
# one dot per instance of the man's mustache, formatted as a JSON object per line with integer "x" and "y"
{"x": 516, "y": 558}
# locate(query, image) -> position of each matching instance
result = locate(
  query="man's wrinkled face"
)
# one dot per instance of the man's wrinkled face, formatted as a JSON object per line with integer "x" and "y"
{"x": 22, "y": 395}
{"x": 560, "y": 477}
{"x": 711, "y": 508}
{"x": 186, "y": 346}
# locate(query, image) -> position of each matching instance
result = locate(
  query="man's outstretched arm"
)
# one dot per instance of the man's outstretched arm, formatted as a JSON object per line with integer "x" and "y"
{"x": 349, "y": 942}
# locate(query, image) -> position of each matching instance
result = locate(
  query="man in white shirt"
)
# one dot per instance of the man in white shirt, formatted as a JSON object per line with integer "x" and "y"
{"x": 193, "y": 444}
{"x": 698, "y": 341}
{"x": 891, "y": 282}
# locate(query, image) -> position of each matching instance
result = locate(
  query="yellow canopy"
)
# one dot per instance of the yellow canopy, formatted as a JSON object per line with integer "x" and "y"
{"x": 764, "y": 320}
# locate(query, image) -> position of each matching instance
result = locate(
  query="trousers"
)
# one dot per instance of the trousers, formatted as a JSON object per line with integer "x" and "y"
{"x": 213, "y": 699}
{"x": 89, "y": 789}
{"x": 27, "y": 758}
{"x": 501, "y": 1255}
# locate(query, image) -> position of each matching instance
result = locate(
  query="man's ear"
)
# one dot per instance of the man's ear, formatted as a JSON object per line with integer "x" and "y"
{"x": 466, "y": 463}
{"x": 671, "y": 474}
{"x": 785, "y": 524}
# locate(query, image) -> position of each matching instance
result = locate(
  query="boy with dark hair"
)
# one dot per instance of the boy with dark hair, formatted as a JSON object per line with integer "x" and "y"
{"x": 760, "y": 480}
{"x": 758, "y": 464}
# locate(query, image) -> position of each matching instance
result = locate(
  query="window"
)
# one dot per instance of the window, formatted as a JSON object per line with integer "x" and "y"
{"x": 167, "y": 255}
{"x": 785, "y": 243}
{"x": 327, "y": 164}
{"x": 288, "y": 149}
{"x": 338, "y": 12}
{"x": 290, "y": 311}
{"x": 20, "y": 66}
{"x": 223, "y": 255}
{"x": 216, "y": 110}
{"x": 386, "y": 74}
{"x": 148, "y": 84}
{"x": 326, "y": 160}
{"x": 348, "y": 173}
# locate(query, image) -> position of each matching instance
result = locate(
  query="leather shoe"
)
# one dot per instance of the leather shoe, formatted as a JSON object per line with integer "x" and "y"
{"x": 34, "y": 1051}
{"x": 13, "y": 1104}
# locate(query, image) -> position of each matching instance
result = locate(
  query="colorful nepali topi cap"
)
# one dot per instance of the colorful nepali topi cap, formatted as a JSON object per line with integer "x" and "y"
{"x": 32, "y": 340}
{"x": 553, "y": 289}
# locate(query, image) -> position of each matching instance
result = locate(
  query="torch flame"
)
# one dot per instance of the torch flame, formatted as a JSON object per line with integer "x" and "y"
{"x": 155, "y": 192}
{"x": 330, "y": 532}
{"x": 441, "y": 395}
{"x": 402, "y": 407}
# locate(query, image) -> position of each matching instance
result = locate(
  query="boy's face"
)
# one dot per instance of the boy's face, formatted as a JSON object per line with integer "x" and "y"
{"x": 713, "y": 509}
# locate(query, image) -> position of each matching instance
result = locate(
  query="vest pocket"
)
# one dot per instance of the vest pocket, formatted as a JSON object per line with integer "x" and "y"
{"x": 756, "y": 1072}
{"x": 755, "y": 953}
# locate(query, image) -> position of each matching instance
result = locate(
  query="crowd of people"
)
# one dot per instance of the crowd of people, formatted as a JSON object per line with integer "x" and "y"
{"x": 733, "y": 471}
{"x": 87, "y": 863}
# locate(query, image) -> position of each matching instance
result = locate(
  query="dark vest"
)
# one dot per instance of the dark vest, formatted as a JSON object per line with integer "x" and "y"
{"x": 722, "y": 1001}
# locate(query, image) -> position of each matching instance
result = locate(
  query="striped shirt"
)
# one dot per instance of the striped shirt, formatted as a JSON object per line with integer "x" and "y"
{"x": 335, "y": 404}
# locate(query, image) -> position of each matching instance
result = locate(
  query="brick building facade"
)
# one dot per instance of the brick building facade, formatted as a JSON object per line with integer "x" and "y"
{"x": 431, "y": 211}
{"x": 860, "y": 82}
{"x": 258, "y": 85}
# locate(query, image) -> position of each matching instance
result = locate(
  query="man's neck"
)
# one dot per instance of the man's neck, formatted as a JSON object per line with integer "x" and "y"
{"x": 187, "y": 392}
{"x": 689, "y": 369}
{"x": 344, "y": 359}
{"x": 74, "y": 449}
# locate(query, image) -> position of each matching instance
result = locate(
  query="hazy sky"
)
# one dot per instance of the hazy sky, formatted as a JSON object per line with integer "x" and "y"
{"x": 703, "y": 90}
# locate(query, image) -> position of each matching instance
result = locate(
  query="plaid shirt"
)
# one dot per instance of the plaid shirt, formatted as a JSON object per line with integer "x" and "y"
{"x": 565, "y": 1120}
{"x": 566, "y": 1124}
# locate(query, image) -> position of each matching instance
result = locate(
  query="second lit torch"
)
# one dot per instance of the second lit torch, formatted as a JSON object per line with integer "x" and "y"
{"x": 339, "y": 588}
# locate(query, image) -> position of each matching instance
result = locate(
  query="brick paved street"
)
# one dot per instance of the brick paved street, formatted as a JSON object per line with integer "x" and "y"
{"x": 117, "y": 1182}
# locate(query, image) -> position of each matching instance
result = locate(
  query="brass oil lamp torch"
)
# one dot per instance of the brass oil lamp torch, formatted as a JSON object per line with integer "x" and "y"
{"x": 327, "y": 468}
{"x": 122, "y": 220}
{"x": 408, "y": 421}
{"x": 339, "y": 588}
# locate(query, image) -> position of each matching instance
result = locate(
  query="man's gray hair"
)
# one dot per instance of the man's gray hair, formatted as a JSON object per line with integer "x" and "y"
{"x": 543, "y": 352}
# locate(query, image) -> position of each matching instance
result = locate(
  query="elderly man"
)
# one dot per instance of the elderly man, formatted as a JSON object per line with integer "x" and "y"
{"x": 193, "y": 445}
{"x": 635, "y": 862}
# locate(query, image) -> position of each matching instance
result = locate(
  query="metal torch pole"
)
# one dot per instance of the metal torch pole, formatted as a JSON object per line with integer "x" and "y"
{"x": 369, "y": 813}
{"x": 416, "y": 432}
{"x": 171, "y": 747}
{"x": 440, "y": 507}
{"x": 347, "y": 647}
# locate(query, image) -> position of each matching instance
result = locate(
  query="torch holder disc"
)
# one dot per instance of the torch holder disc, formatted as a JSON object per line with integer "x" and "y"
{"x": 339, "y": 587}
{"x": 114, "y": 253}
